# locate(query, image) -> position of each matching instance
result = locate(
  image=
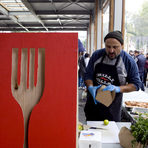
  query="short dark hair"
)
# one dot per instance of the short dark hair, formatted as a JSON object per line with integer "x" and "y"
{"x": 137, "y": 51}
{"x": 86, "y": 55}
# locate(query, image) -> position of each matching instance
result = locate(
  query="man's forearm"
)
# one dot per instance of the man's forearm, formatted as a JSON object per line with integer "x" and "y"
{"x": 124, "y": 88}
{"x": 88, "y": 83}
{"x": 127, "y": 88}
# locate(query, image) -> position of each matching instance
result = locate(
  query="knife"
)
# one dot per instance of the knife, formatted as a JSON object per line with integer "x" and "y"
{"x": 98, "y": 128}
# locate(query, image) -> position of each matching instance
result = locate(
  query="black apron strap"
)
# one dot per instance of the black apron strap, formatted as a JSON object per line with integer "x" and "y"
{"x": 117, "y": 60}
{"x": 103, "y": 57}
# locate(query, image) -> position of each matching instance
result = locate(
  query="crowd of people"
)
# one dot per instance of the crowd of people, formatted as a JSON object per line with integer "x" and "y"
{"x": 138, "y": 56}
{"x": 142, "y": 63}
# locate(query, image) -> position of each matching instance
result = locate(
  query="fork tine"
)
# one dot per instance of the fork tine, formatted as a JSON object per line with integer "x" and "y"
{"x": 24, "y": 59}
{"x": 41, "y": 68}
{"x": 14, "y": 82}
{"x": 35, "y": 67}
{"x": 19, "y": 66}
{"x": 28, "y": 67}
{"x": 31, "y": 68}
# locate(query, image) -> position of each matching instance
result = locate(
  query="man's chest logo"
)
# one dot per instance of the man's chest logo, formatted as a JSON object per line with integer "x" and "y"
{"x": 104, "y": 79}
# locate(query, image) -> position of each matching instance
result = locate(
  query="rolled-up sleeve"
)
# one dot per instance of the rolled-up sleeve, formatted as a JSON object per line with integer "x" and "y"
{"x": 133, "y": 74}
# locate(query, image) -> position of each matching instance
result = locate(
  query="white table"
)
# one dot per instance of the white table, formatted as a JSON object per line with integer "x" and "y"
{"x": 120, "y": 125}
{"x": 139, "y": 96}
{"x": 116, "y": 145}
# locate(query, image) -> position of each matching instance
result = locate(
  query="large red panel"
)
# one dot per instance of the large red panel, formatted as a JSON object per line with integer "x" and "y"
{"x": 53, "y": 120}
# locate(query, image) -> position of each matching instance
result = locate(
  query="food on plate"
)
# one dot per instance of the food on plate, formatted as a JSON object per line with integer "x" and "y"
{"x": 136, "y": 104}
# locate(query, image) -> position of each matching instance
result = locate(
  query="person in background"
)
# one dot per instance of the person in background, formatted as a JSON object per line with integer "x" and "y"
{"x": 146, "y": 70}
{"x": 81, "y": 64}
{"x": 86, "y": 58}
{"x": 131, "y": 53}
{"x": 117, "y": 70}
{"x": 141, "y": 65}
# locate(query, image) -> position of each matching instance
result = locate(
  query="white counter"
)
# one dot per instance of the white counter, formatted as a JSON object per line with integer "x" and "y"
{"x": 139, "y": 96}
{"x": 119, "y": 126}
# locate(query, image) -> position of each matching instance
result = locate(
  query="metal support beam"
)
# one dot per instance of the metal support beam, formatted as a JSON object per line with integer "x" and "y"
{"x": 30, "y": 8}
{"x": 65, "y": 19}
{"x": 13, "y": 18}
{"x": 52, "y": 12}
{"x": 123, "y": 18}
{"x": 65, "y": 12}
{"x": 59, "y": 1}
{"x": 47, "y": 25}
{"x": 43, "y": 30}
{"x": 96, "y": 25}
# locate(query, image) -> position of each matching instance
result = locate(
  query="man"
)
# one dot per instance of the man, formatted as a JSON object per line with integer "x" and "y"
{"x": 131, "y": 53}
{"x": 81, "y": 63}
{"x": 117, "y": 70}
{"x": 140, "y": 60}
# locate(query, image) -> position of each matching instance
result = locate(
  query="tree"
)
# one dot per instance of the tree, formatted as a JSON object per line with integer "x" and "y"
{"x": 137, "y": 26}
{"x": 140, "y": 21}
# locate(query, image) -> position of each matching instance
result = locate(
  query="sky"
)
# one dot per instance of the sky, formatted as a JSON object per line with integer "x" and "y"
{"x": 133, "y": 5}
{"x": 82, "y": 35}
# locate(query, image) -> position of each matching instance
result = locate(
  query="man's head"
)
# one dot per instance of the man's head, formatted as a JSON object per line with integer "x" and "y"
{"x": 131, "y": 52}
{"x": 136, "y": 52}
{"x": 113, "y": 44}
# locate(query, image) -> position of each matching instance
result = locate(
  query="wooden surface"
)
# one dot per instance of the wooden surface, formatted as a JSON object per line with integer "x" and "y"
{"x": 52, "y": 122}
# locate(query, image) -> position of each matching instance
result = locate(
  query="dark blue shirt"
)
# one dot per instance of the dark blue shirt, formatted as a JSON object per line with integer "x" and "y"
{"x": 141, "y": 63}
{"x": 131, "y": 69}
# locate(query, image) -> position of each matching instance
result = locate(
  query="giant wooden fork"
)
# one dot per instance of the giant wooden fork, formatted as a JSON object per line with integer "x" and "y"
{"x": 29, "y": 95}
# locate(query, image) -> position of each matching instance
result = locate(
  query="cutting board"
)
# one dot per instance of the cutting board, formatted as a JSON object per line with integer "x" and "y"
{"x": 109, "y": 132}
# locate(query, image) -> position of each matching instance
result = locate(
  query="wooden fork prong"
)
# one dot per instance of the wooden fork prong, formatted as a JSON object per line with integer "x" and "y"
{"x": 41, "y": 68}
{"x": 31, "y": 68}
{"x": 14, "y": 68}
{"x": 24, "y": 60}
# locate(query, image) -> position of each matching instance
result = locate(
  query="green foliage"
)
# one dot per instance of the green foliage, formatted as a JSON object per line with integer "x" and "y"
{"x": 140, "y": 131}
{"x": 138, "y": 23}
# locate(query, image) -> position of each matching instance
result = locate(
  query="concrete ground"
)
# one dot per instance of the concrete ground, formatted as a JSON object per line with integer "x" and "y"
{"x": 82, "y": 101}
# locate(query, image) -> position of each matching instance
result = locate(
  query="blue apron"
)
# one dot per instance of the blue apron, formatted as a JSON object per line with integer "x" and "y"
{"x": 104, "y": 74}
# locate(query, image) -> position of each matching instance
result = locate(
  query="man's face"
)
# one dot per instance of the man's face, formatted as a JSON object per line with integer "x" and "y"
{"x": 131, "y": 53}
{"x": 113, "y": 48}
{"x": 81, "y": 54}
{"x": 136, "y": 54}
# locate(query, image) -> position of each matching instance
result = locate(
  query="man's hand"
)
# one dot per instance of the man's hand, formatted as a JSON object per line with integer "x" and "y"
{"x": 112, "y": 88}
{"x": 92, "y": 90}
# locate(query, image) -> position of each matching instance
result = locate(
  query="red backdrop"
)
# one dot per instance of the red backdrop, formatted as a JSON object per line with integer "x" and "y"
{"x": 53, "y": 120}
